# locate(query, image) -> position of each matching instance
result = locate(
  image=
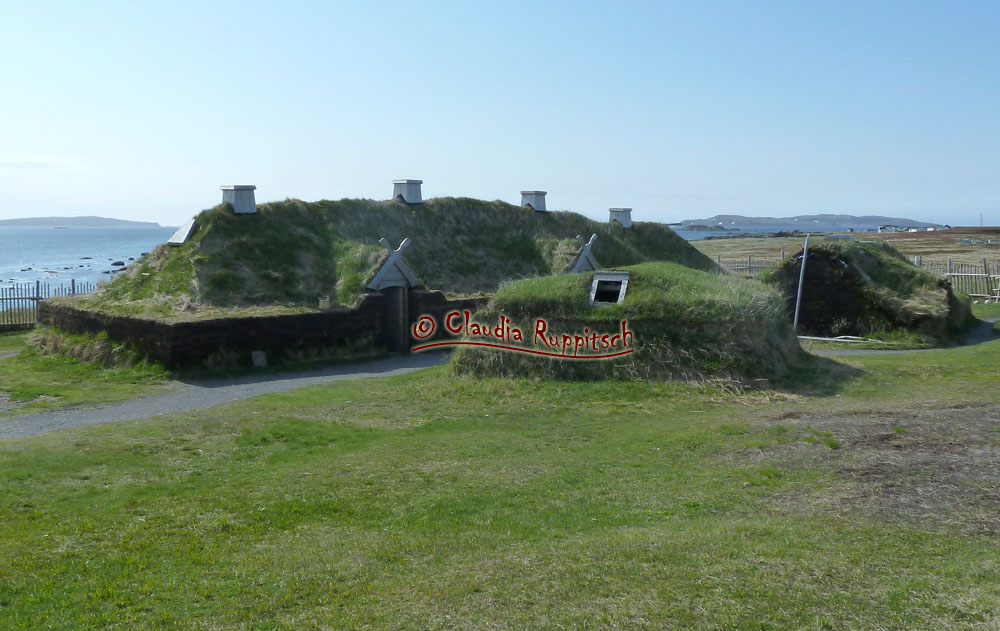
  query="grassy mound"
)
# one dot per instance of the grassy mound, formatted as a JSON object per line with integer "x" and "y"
{"x": 869, "y": 289}
{"x": 687, "y": 324}
{"x": 293, "y": 253}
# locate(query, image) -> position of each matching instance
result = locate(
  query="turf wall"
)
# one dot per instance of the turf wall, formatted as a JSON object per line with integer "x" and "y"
{"x": 187, "y": 344}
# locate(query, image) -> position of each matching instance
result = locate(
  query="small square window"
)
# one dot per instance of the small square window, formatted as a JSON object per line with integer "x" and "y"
{"x": 608, "y": 288}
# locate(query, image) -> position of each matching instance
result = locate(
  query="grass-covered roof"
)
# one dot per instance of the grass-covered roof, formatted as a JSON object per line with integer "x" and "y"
{"x": 687, "y": 323}
{"x": 868, "y": 288}
{"x": 292, "y": 253}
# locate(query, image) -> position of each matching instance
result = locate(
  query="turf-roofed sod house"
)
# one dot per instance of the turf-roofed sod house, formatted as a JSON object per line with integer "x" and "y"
{"x": 293, "y": 278}
{"x": 869, "y": 288}
{"x": 685, "y": 323}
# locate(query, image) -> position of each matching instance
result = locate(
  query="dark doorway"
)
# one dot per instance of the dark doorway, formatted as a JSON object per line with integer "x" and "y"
{"x": 396, "y": 318}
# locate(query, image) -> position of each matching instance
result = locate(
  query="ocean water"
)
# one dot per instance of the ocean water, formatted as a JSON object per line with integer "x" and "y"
{"x": 57, "y": 255}
{"x": 805, "y": 226}
{"x": 694, "y": 235}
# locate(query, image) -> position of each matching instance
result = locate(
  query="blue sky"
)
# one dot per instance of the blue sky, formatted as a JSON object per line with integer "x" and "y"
{"x": 678, "y": 109}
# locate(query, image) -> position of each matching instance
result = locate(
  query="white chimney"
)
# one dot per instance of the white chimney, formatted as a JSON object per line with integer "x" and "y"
{"x": 407, "y": 191}
{"x": 533, "y": 199}
{"x": 622, "y": 215}
{"x": 241, "y": 197}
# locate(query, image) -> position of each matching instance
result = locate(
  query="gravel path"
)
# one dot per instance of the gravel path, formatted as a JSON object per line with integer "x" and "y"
{"x": 982, "y": 333}
{"x": 197, "y": 395}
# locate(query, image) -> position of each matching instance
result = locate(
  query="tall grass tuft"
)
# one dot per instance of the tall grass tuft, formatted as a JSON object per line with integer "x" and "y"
{"x": 96, "y": 349}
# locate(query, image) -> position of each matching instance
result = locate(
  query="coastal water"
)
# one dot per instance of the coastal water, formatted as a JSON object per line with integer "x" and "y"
{"x": 732, "y": 230}
{"x": 57, "y": 255}
{"x": 695, "y": 235}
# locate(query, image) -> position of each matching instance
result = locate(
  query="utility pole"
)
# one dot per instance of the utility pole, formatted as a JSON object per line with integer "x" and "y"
{"x": 802, "y": 277}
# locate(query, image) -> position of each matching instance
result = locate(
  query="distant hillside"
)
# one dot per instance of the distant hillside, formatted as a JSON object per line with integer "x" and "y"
{"x": 293, "y": 252}
{"x": 76, "y": 222}
{"x": 827, "y": 221}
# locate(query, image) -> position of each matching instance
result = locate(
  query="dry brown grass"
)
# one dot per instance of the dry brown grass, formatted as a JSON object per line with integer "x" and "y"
{"x": 939, "y": 246}
{"x": 930, "y": 467}
{"x": 932, "y": 247}
{"x": 97, "y": 349}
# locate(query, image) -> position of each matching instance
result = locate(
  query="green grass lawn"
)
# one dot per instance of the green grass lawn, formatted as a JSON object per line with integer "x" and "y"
{"x": 898, "y": 340}
{"x": 435, "y": 501}
{"x": 12, "y": 341}
{"x": 33, "y": 382}
{"x": 983, "y": 311}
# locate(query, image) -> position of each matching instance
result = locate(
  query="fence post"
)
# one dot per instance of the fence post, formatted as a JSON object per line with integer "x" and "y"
{"x": 782, "y": 255}
{"x": 749, "y": 264}
{"x": 72, "y": 286}
{"x": 949, "y": 266}
{"x": 718, "y": 259}
{"x": 989, "y": 286}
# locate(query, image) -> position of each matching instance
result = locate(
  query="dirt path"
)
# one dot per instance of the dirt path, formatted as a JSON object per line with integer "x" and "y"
{"x": 934, "y": 467}
{"x": 197, "y": 395}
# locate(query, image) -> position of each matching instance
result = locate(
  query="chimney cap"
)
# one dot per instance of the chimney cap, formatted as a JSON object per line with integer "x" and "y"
{"x": 238, "y": 187}
{"x": 407, "y": 181}
{"x": 533, "y": 192}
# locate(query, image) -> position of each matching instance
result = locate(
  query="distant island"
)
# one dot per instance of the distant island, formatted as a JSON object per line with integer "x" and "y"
{"x": 700, "y": 227}
{"x": 824, "y": 222}
{"x": 76, "y": 222}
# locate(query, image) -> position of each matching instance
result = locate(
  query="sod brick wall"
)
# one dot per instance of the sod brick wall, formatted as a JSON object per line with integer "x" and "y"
{"x": 434, "y": 304}
{"x": 186, "y": 344}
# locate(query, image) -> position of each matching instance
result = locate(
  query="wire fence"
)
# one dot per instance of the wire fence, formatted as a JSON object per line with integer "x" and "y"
{"x": 19, "y": 303}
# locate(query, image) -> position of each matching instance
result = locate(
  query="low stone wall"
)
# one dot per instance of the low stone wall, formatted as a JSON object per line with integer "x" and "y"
{"x": 186, "y": 344}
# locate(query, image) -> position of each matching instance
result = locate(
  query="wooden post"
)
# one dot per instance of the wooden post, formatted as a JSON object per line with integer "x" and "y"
{"x": 72, "y": 286}
{"x": 949, "y": 266}
{"x": 802, "y": 277}
{"x": 782, "y": 255}
{"x": 989, "y": 287}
